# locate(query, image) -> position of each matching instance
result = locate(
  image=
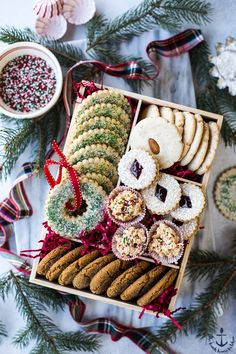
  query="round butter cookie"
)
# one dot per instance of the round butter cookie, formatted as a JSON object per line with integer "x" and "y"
{"x": 189, "y": 131}
{"x": 179, "y": 121}
{"x": 99, "y": 150}
{"x": 213, "y": 144}
{"x": 138, "y": 169}
{"x": 165, "y": 134}
{"x": 196, "y": 141}
{"x": 188, "y": 228}
{"x": 168, "y": 114}
{"x": 162, "y": 196}
{"x": 191, "y": 204}
{"x": 201, "y": 153}
{"x": 150, "y": 110}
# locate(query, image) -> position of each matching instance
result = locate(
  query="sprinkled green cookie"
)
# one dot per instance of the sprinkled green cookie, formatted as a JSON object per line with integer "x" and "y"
{"x": 105, "y": 110}
{"x": 107, "y": 96}
{"x": 70, "y": 224}
{"x": 98, "y": 150}
{"x": 98, "y": 136}
{"x": 101, "y": 123}
{"x": 97, "y": 165}
{"x": 101, "y": 180}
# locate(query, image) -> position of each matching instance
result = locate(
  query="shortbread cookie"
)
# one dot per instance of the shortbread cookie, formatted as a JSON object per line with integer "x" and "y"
{"x": 192, "y": 203}
{"x": 97, "y": 165}
{"x": 67, "y": 276}
{"x": 179, "y": 121}
{"x": 196, "y": 141}
{"x": 188, "y": 228}
{"x": 84, "y": 277}
{"x": 151, "y": 111}
{"x": 165, "y": 134}
{"x": 202, "y": 150}
{"x": 138, "y": 169}
{"x": 225, "y": 193}
{"x": 101, "y": 180}
{"x": 142, "y": 284}
{"x": 158, "y": 289}
{"x": 168, "y": 114}
{"x": 98, "y": 136}
{"x": 162, "y": 196}
{"x": 106, "y": 96}
{"x": 127, "y": 278}
{"x": 103, "y": 279}
{"x": 104, "y": 109}
{"x": 51, "y": 258}
{"x": 101, "y": 123}
{"x": 62, "y": 221}
{"x": 189, "y": 131}
{"x": 57, "y": 268}
{"x": 211, "y": 151}
{"x": 99, "y": 150}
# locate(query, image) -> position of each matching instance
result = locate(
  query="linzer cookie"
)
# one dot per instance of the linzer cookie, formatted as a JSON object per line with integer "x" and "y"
{"x": 188, "y": 228}
{"x": 51, "y": 258}
{"x": 166, "y": 242}
{"x": 157, "y": 289}
{"x": 130, "y": 242}
{"x": 191, "y": 204}
{"x": 162, "y": 196}
{"x": 138, "y": 169}
{"x": 127, "y": 278}
{"x": 125, "y": 206}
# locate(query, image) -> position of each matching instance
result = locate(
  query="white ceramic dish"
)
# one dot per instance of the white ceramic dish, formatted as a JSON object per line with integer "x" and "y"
{"x": 28, "y": 48}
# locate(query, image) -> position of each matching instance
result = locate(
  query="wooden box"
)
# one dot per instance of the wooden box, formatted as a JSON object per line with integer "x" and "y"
{"x": 141, "y": 101}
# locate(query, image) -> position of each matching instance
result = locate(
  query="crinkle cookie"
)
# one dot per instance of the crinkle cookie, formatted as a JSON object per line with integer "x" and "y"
{"x": 97, "y": 165}
{"x": 191, "y": 204}
{"x": 138, "y": 169}
{"x": 101, "y": 123}
{"x": 70, "y": 224}
{"x": 162, "y": 196}
{"x": 104, "y": 109}
{"x": 98, "y": 136}
{"x": 107, "y": 96}
{"x": 99, "y": 150}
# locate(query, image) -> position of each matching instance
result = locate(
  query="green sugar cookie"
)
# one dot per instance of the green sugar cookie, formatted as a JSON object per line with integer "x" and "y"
{"x": 98, "y": 150}
{"x": 101, "y": 180}
{"x": 105, "y": 110}
{"x": 98, "y": 136}
{"x": 101, "y": 122}
{"x": 107, "y": 96}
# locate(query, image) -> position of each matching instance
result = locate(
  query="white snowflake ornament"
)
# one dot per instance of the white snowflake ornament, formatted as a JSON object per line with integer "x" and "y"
{"x": 225, "y": 65}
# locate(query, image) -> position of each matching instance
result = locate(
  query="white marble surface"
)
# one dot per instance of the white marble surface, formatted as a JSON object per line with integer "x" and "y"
{"x": 174, "y": 84}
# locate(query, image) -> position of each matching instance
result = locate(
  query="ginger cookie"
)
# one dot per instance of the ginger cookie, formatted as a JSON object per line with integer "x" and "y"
{"x": 212, "y": 147}
{"x": 189, "y": 131}
{"x": 158, "y": 288}
{"x": 196, "y": 141}
{"x": 68, "y": 274}
{"x": 103, "y": 279}
{"x": 51, "y": 258}
{"x": 168, "y": 114}
{"x": 57, "y": 268}
{"x": 164, "y": 133}
{"x": 84, "y": 277}
{"x": 142, "y": 284}
{"x": 127, "y": 278}
{"x": 201, "y": 153}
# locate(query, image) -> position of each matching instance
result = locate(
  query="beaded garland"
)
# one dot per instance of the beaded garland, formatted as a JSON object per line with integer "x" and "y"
{"x": 65, "y": 223}
{"x": 27, "y": 83}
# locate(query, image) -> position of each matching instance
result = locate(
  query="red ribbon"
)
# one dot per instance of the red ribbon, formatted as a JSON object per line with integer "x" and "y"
{"x": 74, "y": 178}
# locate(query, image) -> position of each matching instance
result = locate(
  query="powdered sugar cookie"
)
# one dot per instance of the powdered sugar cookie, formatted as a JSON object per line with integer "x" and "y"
{"x": 138, "y": 169}
{"x": 187, "y": 229}
{"x": 189, "y": 131}
{"x": 96, "y": 150}
{"x": 150, "y": 111}
{"x": 192, "y": 203}
{"x": 165, "y": 134}
{"x": 168, "y": 114}
{"x": 196, "y": 141}
{"x": 213, "y": 144}
{"x": 201, "y": 153}
{"x": 162, "y": 196}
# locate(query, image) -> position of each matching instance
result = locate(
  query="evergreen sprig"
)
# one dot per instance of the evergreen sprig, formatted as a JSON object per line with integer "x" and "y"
{"x": 149, "y": 14}
{"x": 33, "y": 303}
{"x": 3, "y": 332}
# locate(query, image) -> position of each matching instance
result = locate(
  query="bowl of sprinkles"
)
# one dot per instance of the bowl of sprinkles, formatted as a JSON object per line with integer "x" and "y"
{"x": 30, "y": 80}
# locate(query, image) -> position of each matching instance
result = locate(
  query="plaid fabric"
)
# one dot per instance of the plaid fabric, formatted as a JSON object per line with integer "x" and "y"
{"x": 17, "y": 205}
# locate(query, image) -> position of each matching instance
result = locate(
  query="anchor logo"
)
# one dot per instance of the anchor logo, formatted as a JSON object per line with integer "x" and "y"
{"x": 221, "y": 342}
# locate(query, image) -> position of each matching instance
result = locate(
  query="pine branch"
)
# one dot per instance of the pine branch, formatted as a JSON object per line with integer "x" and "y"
{"x": 3, "y": 332}
{"x": 148, "y": 15}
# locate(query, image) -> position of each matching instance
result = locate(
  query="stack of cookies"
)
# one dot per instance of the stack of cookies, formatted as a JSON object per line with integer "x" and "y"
{"x": 185, "y": 136}
{"x": 141, "y": 282}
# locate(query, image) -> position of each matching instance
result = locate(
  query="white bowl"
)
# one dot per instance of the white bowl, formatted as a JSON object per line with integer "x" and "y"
{"x": 28, "y": 48}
